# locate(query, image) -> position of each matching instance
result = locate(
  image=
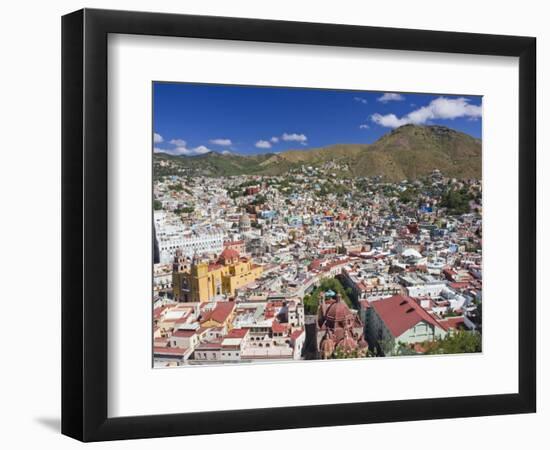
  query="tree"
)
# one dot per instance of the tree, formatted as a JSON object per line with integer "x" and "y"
{"x": 311, "y": 301}
{"x": 348, "y": 354}
{"x": 157, "y": 205}
{"x": 185, "y": 210}
{"x": 456, "y": 202}
{"x": 458, "y": 342}
{"x": 176, "y": 187}
{"x": 310, "y": 304}
{"x": 259, "y": 200}
{"x": 406, "y": 196}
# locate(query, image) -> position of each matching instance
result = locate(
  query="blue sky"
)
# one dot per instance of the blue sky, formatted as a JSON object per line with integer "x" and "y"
{"x": 191, "y": 119}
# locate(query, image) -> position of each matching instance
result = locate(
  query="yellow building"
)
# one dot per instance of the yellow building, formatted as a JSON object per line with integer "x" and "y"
{"x": 201, "y": 281}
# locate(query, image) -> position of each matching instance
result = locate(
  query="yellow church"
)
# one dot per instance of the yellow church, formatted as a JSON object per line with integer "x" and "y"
{"x": 202, "y": 281}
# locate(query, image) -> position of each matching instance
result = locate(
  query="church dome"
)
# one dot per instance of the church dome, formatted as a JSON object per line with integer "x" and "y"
{"x": 244, "y": 219}
{"x": 338, "y": 314}
{"x": 244, "y": 223}
{"x": 228, "y": 255}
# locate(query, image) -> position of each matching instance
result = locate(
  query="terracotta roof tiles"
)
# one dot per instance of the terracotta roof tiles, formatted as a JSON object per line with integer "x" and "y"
{"x": 401, "y": 313}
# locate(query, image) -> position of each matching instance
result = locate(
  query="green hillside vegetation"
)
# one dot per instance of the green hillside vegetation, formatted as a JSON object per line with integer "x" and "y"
{"x": 408, "y": 152}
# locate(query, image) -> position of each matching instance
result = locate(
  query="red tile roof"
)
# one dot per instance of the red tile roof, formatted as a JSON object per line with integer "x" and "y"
{"x": 401, "y": 313}
{"x": 452, "y": 322}
{"x": 161, "y": 342}
{"x": 157, "y": 312}
{"x": 315, "y": 264}
{"x": 183, "y": 333}
{"x": 217, "y": 345}
{"x": 278, "y": 327}
{"x": 220, "y": 313}
{"x": 229, "y": 253}
{"x": 237, "y": 333}
{"x": 213, "y": 266}
{"x": 296, "y": 334}
{"x": 169, "y": 351}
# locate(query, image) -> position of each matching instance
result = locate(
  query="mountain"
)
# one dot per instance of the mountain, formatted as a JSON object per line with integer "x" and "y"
{"x": 209, "y": 164}
{"x": 410, "y": 151}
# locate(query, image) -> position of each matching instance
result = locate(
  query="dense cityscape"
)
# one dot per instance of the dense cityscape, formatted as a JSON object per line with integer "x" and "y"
{"x": 315, "y": 263}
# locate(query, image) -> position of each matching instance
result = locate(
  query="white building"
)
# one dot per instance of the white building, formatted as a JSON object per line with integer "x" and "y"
{"x": 172, "y": 235}
{"x": 400, "y": 320}
{"x": 202, "y": 242}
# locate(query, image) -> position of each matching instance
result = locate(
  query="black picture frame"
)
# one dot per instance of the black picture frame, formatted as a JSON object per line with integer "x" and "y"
{"x": 84, "y": 224}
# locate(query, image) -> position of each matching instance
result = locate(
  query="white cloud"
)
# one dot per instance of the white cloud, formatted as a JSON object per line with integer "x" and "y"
{"x": 364, "y": 126}
{"x": 447, "y": 108}
{"x": 263, "y": 144}
{"x": 178, "y": 142}
{"x": 157, "y": 138}
{"x": 390, "y": 97}
{"x": 183, "y": 150}
{"x": 287, "y": 137}
{"x": 180, "y": 148}
{"x": 440, "y": 108}
{"x": 388, "y": 120}
{"x": 361, "y": 100}
{"x": 302, "y": 138}
{"x": 222, "y": 142}
{"x": 226, "y": 152}
{"x": 200, "y": 150}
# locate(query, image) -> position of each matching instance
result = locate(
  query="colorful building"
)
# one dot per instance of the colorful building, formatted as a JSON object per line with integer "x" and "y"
{"x": 400, "y": 320}
{"x": 202, "y": 281}
{"x": 338, "y": 329}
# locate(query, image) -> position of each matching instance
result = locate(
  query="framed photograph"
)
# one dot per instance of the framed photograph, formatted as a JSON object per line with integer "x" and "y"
{"x": 273, "y": 225}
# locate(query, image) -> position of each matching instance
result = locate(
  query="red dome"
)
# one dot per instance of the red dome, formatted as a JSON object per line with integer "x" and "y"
{"x": 338, "y": 314}
{"x": 229, "y": 254}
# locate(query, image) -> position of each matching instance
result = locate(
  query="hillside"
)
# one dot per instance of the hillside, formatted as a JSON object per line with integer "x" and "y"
{"x": 412, "y": 151}
{"x": 408, "y": 152}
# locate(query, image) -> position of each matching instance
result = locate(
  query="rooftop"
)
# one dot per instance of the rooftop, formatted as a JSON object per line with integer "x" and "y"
{"x": 401, "y": 313}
